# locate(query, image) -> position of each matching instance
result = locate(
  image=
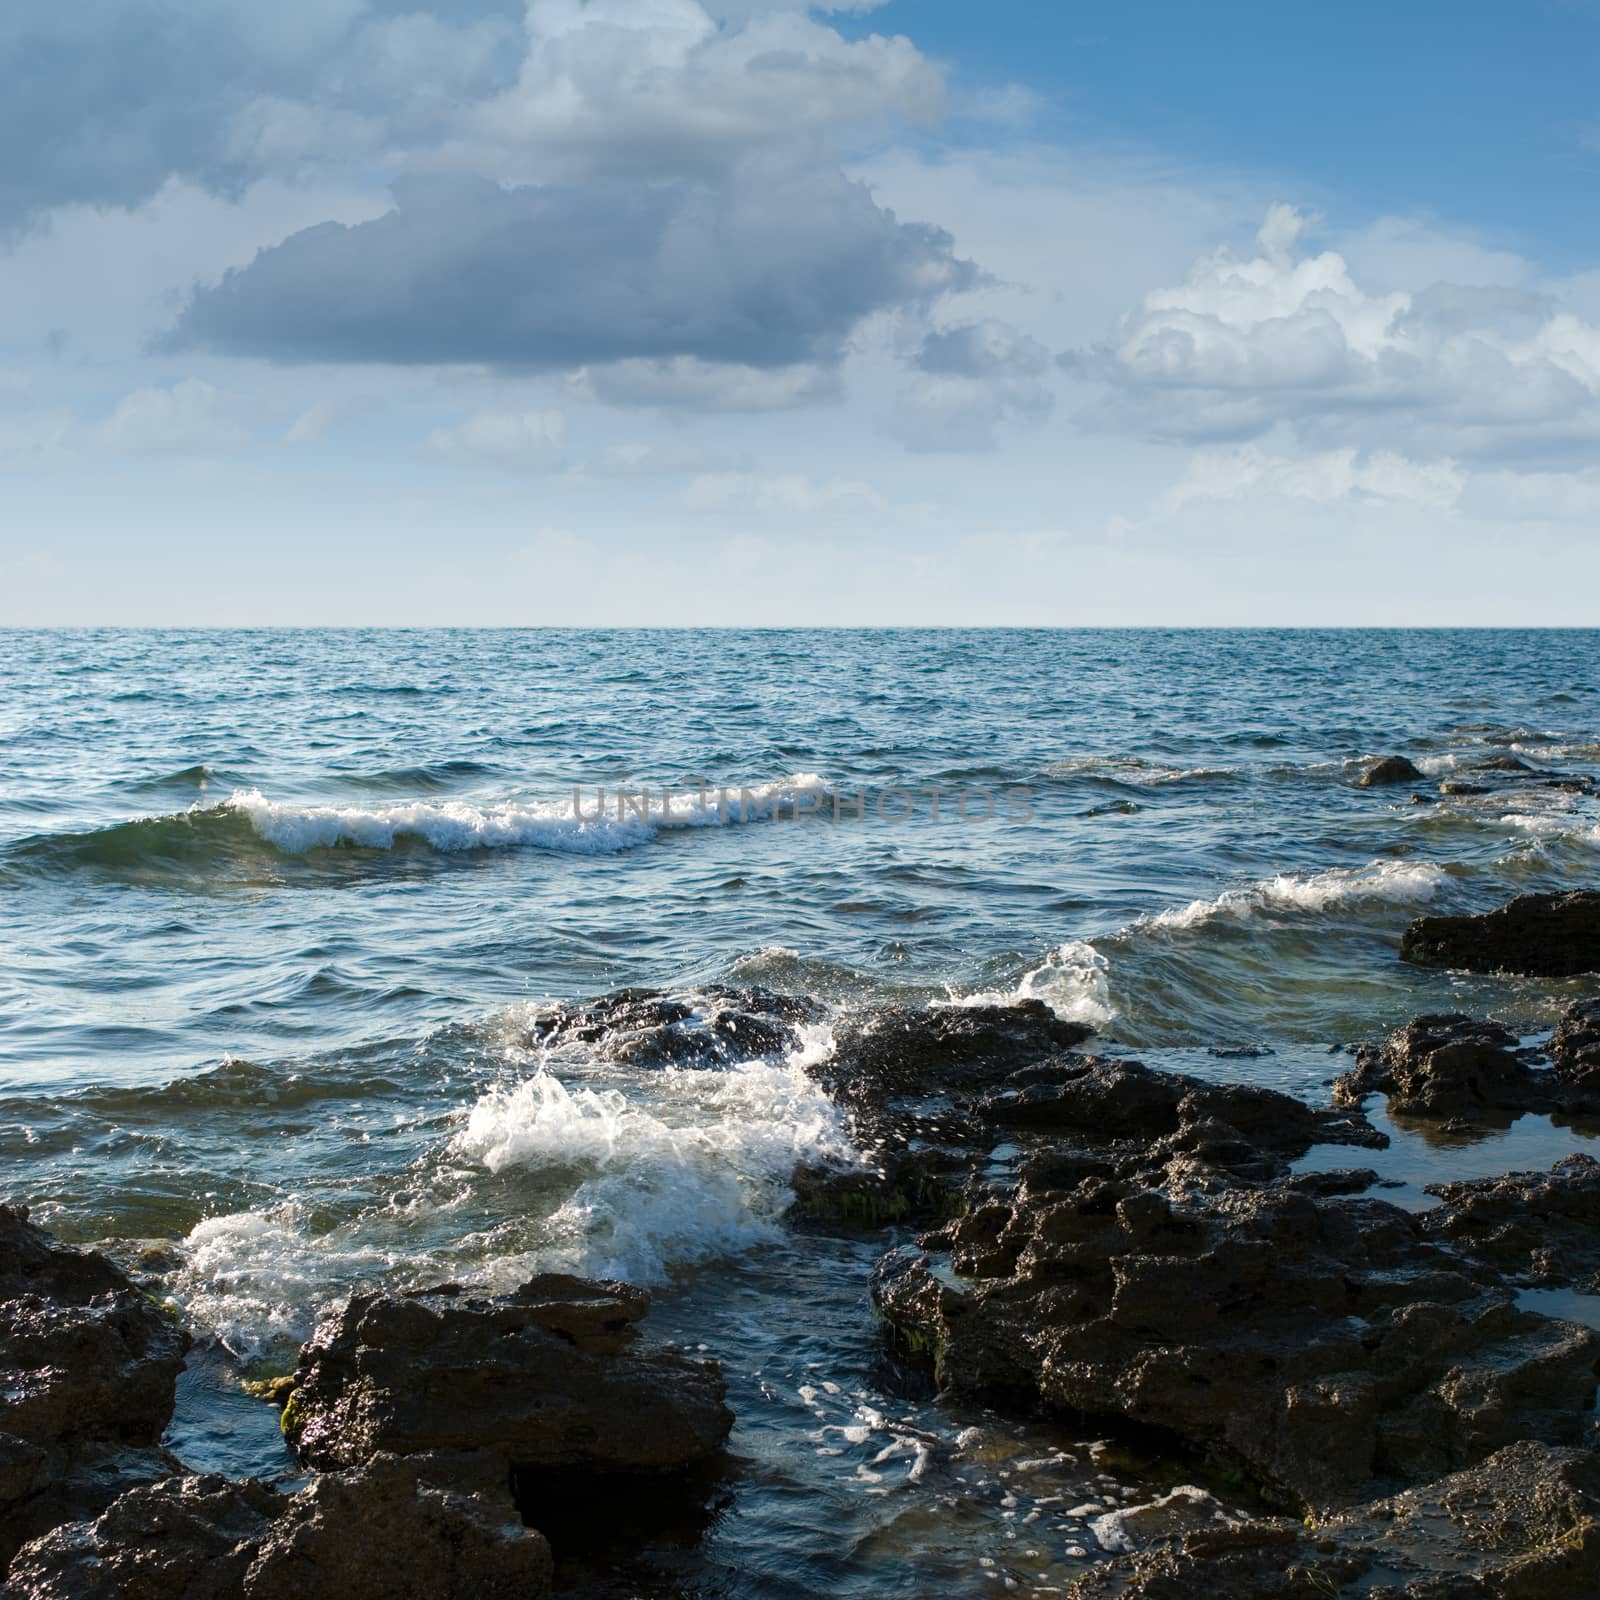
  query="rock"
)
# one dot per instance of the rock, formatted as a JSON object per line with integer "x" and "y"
{"x": 91, "y": 1371}
{"x": 386, "y": 1533}
{"x": 1524, "y": 1525}
{"x": 184, "y": 1538}
{"x": 905, "y": 1186}
{"x": 1391, "y": 769}
{"x": 1169, "y": 1114}
{"x": 1445, "y": 1066}
{"x": 1536, "y": 1227}
{"x": 1507, "y": 764}
{"x": 1183, "y": 1510}
{"x": 548, "y": 1376}
{"x": 380, "y": 1533}
{"x": 1575, "y": 1050}
{"x": 707, "y": 1027}
{"x": 1458, "y": 786}
{"x": 953, "y": 1051}
{"x": 1537, "y": 935}
{"x": 1323, "y": 1345}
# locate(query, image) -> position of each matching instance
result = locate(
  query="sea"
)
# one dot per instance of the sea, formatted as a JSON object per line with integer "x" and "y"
{"x": 280, "y": 911}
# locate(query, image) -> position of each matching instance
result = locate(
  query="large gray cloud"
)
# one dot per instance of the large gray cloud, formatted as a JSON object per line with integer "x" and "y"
{"x": 107, "y": 99}
{"x": 768, "y": 266}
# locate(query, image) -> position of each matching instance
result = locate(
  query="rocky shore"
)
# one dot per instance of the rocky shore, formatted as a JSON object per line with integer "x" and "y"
{"x": 447, "y": 1429}
{"x": 1151, "y": 1259}
{"x": 1358, "y": 1395}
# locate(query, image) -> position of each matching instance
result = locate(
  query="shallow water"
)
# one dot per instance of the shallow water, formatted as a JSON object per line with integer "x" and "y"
{"x": 277, "y": 909}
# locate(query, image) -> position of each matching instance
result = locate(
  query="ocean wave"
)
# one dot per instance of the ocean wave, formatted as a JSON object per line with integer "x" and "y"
{"x": 1137, "y": 772}
{"x": 247, "y": 824}
{"x": 233, "y": 1084}
{"x": 459, "y": 825}
{"x": 700, "y": 1171}
{"x": 257, "y": 1278}
{"x": 1385, "y": 882}
{"x": 1071, "y": 980}
{"x": 1561, "y": 829}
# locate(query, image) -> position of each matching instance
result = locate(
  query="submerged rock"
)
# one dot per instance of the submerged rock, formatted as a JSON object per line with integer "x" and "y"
{"x": 548, "y": 1376}
{"x": 1391, "y": 769}
{"x": 379, "y": 1533}
{"x": 1523, "y": 1525}
{"x": 706, "y": 1027}
{"x": 91, "y": 1371}
{"x": 1537, "y": 935}
{"x": 1323, "y": 1345}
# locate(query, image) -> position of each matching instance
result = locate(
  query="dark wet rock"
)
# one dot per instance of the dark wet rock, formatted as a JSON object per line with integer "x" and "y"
{"x": 1523, "y": 1525}
{"x": 184, "y": 1538}
{"x": 950, "y": 1052}
{"x": 1504, "y": 764}
{"x": 548, "y": 1376}
{"x": 1442, "y": 1066}
{"x": 1537, "y": 935}
{"x": 902, "y": 1186}
{"x": 91, "y": 1366}
{"x": 1458, "y": 786}
{"x": 380, "y": 1533}
{"x": 708, "y": 1027}
{"x": 387, "y": 1533}
{"x": 1324, "y": 1346}
{"x": 1575, "y": 1051}
{"x": 1536, "y": 1227}
{"x": 1470, "y": 1073}
{"x": 1391, "y": 769}
{"x": 1168, "y": 1114}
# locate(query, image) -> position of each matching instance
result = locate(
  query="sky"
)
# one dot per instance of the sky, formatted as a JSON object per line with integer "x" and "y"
{"x": 754, "y": 313}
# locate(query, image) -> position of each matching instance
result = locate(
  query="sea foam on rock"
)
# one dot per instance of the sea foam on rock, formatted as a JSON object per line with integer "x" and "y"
{"x": 439, "y": 1420}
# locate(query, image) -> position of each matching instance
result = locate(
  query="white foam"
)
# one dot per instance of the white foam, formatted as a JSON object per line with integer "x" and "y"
{"x": 567, "y": 825}
{"x": 699, "y": 1171}
{"x": 1071, "y": 980}
{"x": 1388, "y": 882}
{"x": 257, "y": 1277}
{"x": 1559, "y": 828}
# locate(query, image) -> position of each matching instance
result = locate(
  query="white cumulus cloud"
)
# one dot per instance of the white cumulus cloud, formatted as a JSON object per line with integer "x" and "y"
{"x": 1285, "y": 335}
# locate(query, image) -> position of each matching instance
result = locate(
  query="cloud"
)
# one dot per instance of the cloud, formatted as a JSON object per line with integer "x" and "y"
{"x": 189, "y": 418}
{"x": 969, "y": 379}
{"x": 1245, "y": 345}
{"x": 684, "y": 383}
{"x": 527, "y": 441}
{"x": 657, "y": 87}
{"x": 1327, "y": 478}
{"x": 784, "y": 495}
{"x": 107, "y": 99}
{"x": 767, "y": 267}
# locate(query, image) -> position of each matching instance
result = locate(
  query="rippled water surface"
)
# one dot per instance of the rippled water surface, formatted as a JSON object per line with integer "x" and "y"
{"x": 278, "y": 909}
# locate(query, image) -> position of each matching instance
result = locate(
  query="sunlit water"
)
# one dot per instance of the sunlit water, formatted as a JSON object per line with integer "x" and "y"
{"x": 277, "y": 907}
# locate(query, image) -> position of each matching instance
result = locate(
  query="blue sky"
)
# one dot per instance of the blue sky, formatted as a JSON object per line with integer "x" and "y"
{"x": 1477, "y": 111}
{"x": 670, "y": 311}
